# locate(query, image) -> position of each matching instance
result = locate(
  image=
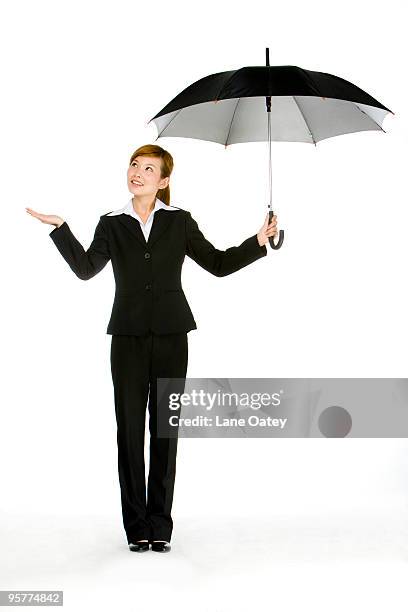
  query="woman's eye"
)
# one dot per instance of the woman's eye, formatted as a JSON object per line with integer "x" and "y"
{"x": 135, "y": 164}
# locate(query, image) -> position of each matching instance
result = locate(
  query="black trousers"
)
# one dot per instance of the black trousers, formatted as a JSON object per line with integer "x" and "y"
{"x": 136, "y": 363}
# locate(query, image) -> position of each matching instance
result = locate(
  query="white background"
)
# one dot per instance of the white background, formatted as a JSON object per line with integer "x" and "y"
{"x": 285, "y": 523}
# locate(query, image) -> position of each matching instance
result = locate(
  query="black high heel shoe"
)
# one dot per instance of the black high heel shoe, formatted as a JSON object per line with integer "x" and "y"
{"x": 160, "y": 546}
{"x": 139, "y": 546}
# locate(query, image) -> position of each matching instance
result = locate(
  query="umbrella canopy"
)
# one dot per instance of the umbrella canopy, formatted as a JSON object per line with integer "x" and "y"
{"x": 265, "y": 103}
{"x": 307, "y": 106}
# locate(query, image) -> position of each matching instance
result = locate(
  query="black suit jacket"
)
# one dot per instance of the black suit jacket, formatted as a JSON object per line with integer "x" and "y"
{"x": 149, "y": 295}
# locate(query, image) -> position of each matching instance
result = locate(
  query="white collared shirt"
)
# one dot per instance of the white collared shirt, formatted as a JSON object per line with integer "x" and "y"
{"x": 145, "y": 227}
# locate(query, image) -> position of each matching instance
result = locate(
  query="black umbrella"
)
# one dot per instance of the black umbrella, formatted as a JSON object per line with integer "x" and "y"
{"x": 265, "y": 103}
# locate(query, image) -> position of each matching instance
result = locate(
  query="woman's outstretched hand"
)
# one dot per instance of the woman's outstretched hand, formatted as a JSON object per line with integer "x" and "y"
{"x": 50, "y": 219}
{"x": 267, "y": 230}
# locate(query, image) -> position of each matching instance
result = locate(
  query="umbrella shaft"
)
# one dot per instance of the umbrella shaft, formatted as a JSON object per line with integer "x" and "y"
{"x": 268, "y": 110}
{"x": 270, "y": 160}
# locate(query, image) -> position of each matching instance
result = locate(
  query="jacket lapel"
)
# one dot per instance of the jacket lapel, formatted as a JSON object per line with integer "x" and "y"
{"x": 160, "y": 222}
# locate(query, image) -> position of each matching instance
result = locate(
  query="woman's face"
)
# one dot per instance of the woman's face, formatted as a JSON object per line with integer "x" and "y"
{"x": 145, "y": 170}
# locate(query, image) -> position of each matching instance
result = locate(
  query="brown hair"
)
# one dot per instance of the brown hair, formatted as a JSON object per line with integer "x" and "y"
{"x": 166, "y": 166}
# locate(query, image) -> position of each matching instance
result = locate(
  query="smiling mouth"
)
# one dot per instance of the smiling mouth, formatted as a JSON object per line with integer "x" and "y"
{"x": 137, "y": 184}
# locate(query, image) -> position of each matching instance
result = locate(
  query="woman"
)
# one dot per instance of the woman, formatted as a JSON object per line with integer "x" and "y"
{"x": 146, "y": 242}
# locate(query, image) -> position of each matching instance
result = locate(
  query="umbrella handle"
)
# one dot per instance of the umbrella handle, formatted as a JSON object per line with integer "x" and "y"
{"x": 281, "y": 235}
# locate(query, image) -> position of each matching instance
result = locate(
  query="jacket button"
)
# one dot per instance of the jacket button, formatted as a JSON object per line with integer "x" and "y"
{"x": 147, "y": 255}
{"x": 148, "y": 287}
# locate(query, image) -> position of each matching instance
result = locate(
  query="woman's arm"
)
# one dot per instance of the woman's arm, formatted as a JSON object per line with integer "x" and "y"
{"x": 85, "y": 264}
{"x": 220, "y": 263}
